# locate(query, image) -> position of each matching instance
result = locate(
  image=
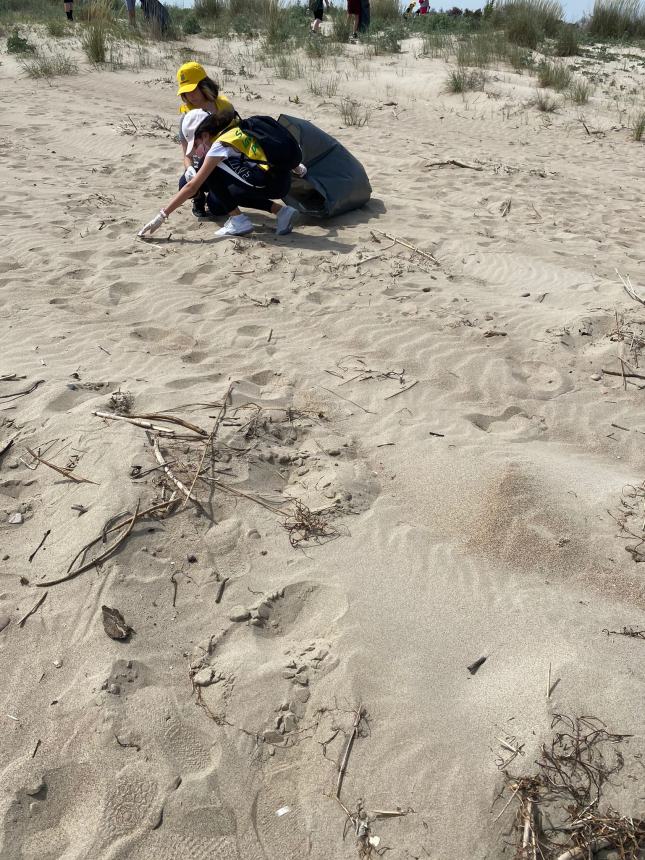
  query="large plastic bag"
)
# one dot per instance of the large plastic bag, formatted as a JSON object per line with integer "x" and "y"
{"x": 336, "y": 182}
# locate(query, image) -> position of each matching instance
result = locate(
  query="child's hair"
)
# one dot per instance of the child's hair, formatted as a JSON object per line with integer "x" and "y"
{"x": 208, "y": 88}
{"x": 216, "y": 123}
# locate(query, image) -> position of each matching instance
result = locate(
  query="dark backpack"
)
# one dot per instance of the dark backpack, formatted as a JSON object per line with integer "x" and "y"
{"x": 281, "y": 148}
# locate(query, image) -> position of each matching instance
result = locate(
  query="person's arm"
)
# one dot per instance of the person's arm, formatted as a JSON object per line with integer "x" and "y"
{"x": 189, "y": 190}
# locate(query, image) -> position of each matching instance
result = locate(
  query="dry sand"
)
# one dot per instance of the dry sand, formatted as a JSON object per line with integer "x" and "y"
{"x": 474, "y": 509}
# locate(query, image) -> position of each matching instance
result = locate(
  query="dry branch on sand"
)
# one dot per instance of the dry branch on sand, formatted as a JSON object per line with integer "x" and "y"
{"x": 360, "y": 821}
{"x": 123, "y": 523}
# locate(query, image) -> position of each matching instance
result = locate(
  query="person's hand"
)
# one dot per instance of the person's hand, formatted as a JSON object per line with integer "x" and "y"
{"x": 190, "y": 173}
{"x": 153, "y": 225}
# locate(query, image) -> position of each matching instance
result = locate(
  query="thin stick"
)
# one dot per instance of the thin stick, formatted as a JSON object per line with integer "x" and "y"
{"x": 32, "y": 610}
{"x": 66, "y": 473}
{"x": 166, "y": 468}
{"x": 454, "y": 162}
{"x": 270, "y": 336}
{"x": 411, "y": 247}
{"x": 369, "y": 411}
{"x": 16, "y": 394}
{"x": 171, "y": 419}
{"x": 138, "y": 422}
{"x": 624, "y": 373}
{"x": 108, "y": 552}
{"x": 220, "y": 590}
{"x": 358, "y": 716}
{"x": 585, "y": 850}
{"x": 44, "y": 538}
{"x": 517, "y": 788}
{"x": 528, "y": 817}
{"x": 548, "y": 684}
{"x": 622, "y": 370}
{"x": 401, "y": 390}
{"x": 629, "y": 289}
{"x": 258, "y": 501}
{"x": 209, "y": 441}
{"x": 5, "y": 447}
{"x": 174, "y": 587}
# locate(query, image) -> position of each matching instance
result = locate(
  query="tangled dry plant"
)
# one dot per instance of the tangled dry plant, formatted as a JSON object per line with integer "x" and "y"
{"x": 559, "y": 814}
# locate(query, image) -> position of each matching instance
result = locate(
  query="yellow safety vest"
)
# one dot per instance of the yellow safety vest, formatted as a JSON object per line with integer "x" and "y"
{"x": 243, "y": 142}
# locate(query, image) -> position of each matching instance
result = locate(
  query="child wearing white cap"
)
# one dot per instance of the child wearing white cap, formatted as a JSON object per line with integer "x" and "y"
{"x": 234, "y": 171}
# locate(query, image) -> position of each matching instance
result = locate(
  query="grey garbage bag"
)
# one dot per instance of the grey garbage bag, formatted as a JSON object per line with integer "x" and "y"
{"x": 335, "y": 183}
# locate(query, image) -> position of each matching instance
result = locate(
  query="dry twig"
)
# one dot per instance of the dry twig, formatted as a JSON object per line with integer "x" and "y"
{"x": 66, "y": 473}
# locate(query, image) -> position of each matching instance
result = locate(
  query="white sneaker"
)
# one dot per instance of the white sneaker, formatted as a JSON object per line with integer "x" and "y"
{"x": 285, "y": 220}
{"x": 237, "y": 225}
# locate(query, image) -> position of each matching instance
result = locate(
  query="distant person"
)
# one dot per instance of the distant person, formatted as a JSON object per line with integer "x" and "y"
{"x": 197, "y": 90}
{"x": 318, "y": 8}
{"x": 354, "y": 15}
{"x": 424, "y": 7}
{"x": 236, "y": 171}
{"x": 156, "y": 13}
{"x": 364, "y": 17}
{"x": 69, "y": 9}
{"x": 409, "y": 8}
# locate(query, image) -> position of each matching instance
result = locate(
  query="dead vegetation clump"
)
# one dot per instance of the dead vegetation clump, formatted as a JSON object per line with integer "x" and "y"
{"x": 560, "y": 813}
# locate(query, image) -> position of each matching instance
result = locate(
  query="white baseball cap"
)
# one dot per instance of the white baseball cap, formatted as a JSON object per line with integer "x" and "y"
{"x": 189, "y": 125}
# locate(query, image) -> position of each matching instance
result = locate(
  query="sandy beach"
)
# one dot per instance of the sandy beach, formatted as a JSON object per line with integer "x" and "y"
{"x": 438, "y": 377}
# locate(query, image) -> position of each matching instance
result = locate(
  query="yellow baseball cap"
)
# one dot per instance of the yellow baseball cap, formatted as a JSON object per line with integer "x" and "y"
{"x": 188, "y": 76}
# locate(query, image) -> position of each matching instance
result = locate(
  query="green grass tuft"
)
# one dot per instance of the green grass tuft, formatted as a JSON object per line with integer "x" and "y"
{"x": 617, "y": 19}
{"x": 580, "y": 91}
{"x": 94, "y": 42}
{"x": 462, "y": 80}
{"x": 638, "y": 129}
{"x": 50, "y": 66}
{"x": 567, "y": 43}
{"x": 554, "y": 75}
{"x": 17, "y": 44}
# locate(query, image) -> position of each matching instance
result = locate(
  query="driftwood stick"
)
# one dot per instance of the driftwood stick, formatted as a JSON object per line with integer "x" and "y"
{"x": 358, "y": 716}
{"x": 220, "y": 590}
{"x": 411, "y": 247}
{"x": 138, "y": 422}
{"x": 624, "y": 373}
{"x": 66, "y": 473}
{"x": 209, "y": 441}
{"x": 528, "y": 824}
{"x": 586, "y": 850}
{"x": 32, "y": 610}
{"x": 5, "y": 446}
{"x": 17, "y": 394}
{"x": 548, "y": 684}
{"x": 401, "y": 390}
{"x": 369, "y": 411}
{"x": 170, "y": 419}
{"x": 184, "y": 489}
{"x": 629, "y": 289}
{"x": 228, "y": 489}
{"x": 455, "y": 162}
{"x": 105, "y": 554}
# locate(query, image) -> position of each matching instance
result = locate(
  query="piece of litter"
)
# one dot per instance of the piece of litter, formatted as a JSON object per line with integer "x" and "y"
{"x": 374, "y": 841}
{"x": 11, "y": 717}
{"x": 15, "y": 519}
{"x": 283, "y": 810}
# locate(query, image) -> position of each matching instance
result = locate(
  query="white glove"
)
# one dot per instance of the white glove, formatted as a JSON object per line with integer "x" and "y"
{"x": 190, "y": 173}
{"x": 153, "y": 225}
